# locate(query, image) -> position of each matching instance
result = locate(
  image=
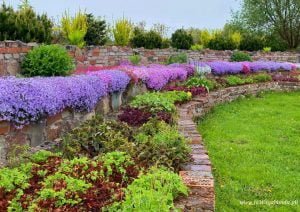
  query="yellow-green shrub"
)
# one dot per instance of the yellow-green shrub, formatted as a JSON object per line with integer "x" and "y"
{"x": 74, "y": 28}
{"x": 122, "y": 31}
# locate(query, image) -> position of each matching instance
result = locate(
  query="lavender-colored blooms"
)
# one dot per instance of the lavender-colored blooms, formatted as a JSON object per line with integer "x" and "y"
{"x": 157, "y": 76}
{"x": 116, "y": 80}
{"x": 223, "y": 67}
{"x": 23, "y": 100}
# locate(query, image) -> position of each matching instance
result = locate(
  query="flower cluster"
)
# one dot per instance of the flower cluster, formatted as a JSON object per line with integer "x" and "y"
{"x": 116, "y": 80}
{"x": 157, "y": 76}
{"x": 223, "y": 67}
{"x": 23, "y": 100}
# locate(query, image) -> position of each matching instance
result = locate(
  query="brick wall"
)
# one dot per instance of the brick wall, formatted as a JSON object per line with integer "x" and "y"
{"x": 12, "y": 52}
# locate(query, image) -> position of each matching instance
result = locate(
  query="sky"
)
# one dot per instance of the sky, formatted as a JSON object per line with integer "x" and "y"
{"x": 175, "y": 14}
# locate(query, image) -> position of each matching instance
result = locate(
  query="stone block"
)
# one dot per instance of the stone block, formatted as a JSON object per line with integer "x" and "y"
{"x": 36, "y": 134}
{"x": 2, "y": 149}
{"x": 195, "y": 179}
{"x": 53, "y": 119}
{"x": 116, "y": 100}
{"x": 104, "y": 106}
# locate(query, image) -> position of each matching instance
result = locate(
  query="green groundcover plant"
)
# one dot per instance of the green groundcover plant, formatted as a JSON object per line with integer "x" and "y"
{"x": 234, "y": 80}
{"x": 157, "y": 101}
{"x": 154, "y": 191}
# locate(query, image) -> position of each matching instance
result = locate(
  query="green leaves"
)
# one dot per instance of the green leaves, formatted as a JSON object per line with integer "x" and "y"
{"x": 177, "y": 58}
{"x": 96, "y": 31}
{"x": 135, "y": 59}
{"x": 154, "y": 191}
{"x": 160, "y": 144}
{"x": 11, "y": 179}
{"x": 24, "y": 24}
{"x": 240, "y": 56}
{"x": 47, "y": 60}
{"x": 157, "y": 101}
{"x": 238, "y": 80}
{"x": 97, "y": 136}
{"x": 122, "y": 31}
{"x": 75, "y": 28}
{"x": 200, "y": 82}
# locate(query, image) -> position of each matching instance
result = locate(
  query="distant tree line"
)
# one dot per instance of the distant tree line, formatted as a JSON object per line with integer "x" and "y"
{"x": 268, "y": 25}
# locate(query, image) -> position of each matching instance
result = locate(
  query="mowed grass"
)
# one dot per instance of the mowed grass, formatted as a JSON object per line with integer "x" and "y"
{"x": 254, "y": 146}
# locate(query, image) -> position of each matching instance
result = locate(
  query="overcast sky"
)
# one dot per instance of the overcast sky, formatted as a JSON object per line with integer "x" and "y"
{"x": 173, "y": 13}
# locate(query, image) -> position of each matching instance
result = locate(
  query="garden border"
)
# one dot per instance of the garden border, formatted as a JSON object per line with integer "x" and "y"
{"x": 197, "y": 175}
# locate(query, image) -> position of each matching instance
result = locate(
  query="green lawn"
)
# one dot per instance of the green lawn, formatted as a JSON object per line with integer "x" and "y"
{"x": 254, "y": 146}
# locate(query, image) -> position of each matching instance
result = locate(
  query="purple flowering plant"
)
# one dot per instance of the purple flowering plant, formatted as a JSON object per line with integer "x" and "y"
{"x": 25, "y": 100}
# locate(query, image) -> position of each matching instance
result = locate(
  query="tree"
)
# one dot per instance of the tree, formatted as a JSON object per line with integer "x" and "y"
{"x": 7, "y": 22}
{"x": 181, "y": 39}
{"x": 161, "y": 29}
{"x": 24, "y": 24}
{"x": 280, "y": 16}
{"x": 96, "y": 31}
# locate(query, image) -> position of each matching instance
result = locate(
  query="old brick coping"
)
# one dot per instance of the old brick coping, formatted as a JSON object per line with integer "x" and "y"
{"x": 197, "y": 175}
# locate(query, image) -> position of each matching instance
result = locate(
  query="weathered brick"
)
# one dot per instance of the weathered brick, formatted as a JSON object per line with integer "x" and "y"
{"x": 53, "y": 119}
{"x": 4, "y": 127}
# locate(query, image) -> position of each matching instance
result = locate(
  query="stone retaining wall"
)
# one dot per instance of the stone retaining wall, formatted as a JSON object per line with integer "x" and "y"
{"x": 45, "y": 132}
{"x": 12, "y": 53}
{"x": 197, "y": 175}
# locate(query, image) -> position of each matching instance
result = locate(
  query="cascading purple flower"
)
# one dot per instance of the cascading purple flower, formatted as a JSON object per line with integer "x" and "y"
{"x": 116, "y": 80}
{"x": 223, "y": 67}
{"x": 156, "y": 76}
{"x": 25, "y": 100}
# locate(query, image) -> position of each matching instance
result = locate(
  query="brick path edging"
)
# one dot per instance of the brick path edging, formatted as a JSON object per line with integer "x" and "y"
{"x": 197, "y": 175}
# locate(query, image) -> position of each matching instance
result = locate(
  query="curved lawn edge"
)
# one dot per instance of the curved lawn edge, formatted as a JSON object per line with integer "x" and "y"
{"x": 197, "y": 175}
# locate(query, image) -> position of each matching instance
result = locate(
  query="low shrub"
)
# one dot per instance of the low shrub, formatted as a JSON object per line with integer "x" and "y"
{"x": 153, "y": 40}
{"x": 156, "y": 101}
{"x": 236, "y": 80}
{"x": 137, "y": 117}
{"x": 221, "y": 42}
{"x": 261, "y": 78}
{"x": 178, "y": 58}
{"x": 267, "y": 49}
{"x": 166, "y": 43}
{"x": 122, "y": 31}
{"x": 200, "y": 82}
{"x": 47, "y": 60}
{"x": 149, "y": 40}
{"x": 251, "y": 43}
{"x": 193, "y": 90}
{"x": 154, "y": 191}
{"x": 197, "y": 47}
{"x": 240, "y": 56}
{"x": 135, "y": 59}
{"x": 97, "y": 136}
{"x": 75, "y": 28}
{"x": 161, "y": 144}
{"x": 181, "y": 39}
